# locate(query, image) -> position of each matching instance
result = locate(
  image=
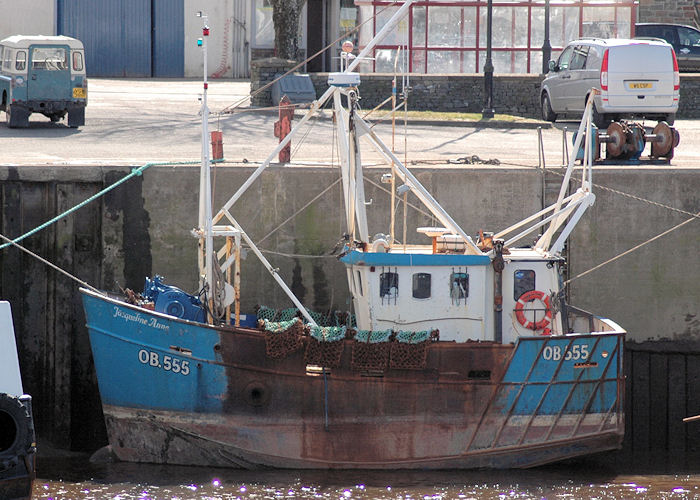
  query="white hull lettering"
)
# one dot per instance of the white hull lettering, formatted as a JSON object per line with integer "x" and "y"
{"x": 165, "y": 362}
{"x": 136, "y": 317}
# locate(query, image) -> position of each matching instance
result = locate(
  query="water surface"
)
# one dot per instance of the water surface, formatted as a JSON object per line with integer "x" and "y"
{"x": 75, "y": 478}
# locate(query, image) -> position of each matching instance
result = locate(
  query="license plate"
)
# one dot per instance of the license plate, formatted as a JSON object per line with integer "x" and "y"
{"x": 640, "y": 85}
{"x": 79, "y": 93}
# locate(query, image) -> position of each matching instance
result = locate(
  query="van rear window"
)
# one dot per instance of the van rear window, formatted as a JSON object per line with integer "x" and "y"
{"x": 49, "y": 58}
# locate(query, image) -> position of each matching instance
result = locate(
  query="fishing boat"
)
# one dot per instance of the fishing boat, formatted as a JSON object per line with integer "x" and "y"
{"x": 460, "y": 352}
{"x": 17, "y": 445}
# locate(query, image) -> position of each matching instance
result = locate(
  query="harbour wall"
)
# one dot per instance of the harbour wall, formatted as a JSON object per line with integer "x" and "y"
{"x": 143, "y": 227}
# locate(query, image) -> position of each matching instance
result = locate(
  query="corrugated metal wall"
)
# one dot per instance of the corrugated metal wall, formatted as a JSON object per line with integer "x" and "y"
{"x": 168, "y": 38}
{"x": 128, "y": 38}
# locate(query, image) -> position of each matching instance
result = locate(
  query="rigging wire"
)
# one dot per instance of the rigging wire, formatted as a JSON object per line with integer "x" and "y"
{"x": 310, "y": 202}
{"x": 637, "y": 247}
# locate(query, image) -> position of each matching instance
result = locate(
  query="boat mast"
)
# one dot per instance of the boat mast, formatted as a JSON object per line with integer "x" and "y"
{"x": 206, "y": 243}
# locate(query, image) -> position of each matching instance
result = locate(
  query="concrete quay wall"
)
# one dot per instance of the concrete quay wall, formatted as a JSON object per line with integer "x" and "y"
{"x": 143, "y": 227}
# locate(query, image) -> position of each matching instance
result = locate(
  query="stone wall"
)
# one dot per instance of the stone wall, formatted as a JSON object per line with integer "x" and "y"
{"x": 262, "y": 72}
{"x": 513, "y": 94}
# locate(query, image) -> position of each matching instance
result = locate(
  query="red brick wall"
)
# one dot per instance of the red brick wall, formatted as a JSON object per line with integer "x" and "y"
{"x": 670, "y": 11}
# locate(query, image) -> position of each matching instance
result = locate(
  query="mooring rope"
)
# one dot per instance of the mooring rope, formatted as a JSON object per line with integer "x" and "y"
{"x": 134, "y": 172}
{"x": 50, "y": 264}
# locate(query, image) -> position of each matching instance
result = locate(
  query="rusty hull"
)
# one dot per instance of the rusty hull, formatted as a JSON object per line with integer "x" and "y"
{"x": 278, "y": 414}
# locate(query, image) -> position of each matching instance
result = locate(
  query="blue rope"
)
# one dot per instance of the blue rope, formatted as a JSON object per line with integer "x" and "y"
{"x": 134, "y": 172}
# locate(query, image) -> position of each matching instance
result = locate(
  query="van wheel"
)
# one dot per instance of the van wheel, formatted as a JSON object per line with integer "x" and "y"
{"x": 670, "y": 119}
{"x": 547, "y": 113}
{"x": 600, "y": 120}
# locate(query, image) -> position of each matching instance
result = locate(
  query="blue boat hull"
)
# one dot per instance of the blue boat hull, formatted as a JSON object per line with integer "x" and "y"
{"x": 180, "y": 392}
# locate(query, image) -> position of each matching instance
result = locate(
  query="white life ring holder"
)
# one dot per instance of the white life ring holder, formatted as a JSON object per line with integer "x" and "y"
{"x": 542, "y": 324}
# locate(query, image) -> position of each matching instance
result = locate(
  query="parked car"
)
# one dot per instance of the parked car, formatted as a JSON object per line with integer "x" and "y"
{"x": 637, "y": 78}
{"x": 42, "y": 74}
{"x": 684, "y": 39}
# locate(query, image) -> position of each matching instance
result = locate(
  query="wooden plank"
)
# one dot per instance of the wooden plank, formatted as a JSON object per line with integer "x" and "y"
{"x": 37, "y": 335}
{"x": 63, "y": 307}
{"x": 87, "y": 422}
{"x": 692, "y": 403}
{"x": 627, "y": 369}
{"x": 658, "y": 404}
{"x": 640, "y": 403}
{"x": 677, "y": 430}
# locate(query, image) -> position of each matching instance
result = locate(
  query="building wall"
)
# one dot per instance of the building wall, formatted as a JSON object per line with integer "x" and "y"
{"x": 663, "y": 11}
{"x": 226, "y": 36}
{"x": 37, "y": 17}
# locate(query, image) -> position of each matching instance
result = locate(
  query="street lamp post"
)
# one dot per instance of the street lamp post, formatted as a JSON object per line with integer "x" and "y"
{"x": 546, "y": 46}
{"x": 488, "y": 112}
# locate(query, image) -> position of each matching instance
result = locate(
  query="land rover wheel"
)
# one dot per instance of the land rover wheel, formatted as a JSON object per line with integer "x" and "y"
{"x": 670, "y": 119}
{"x": 547, "y": 113}
{"x": 16, "y": 117}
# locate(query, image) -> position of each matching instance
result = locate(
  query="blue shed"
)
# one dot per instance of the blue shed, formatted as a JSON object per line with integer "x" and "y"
{"x": 127, "y": 38}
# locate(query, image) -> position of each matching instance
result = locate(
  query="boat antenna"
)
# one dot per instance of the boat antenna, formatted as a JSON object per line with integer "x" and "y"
{"x": 205, "y": 210}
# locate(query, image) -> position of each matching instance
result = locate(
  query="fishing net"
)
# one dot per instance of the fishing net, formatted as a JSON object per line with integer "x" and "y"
{"x": 325, "y": 347}
{"x": 331, "y": 318}
{"x": 370, "y": 351}
{"x": 287, "y": 314}
{"x": 283, "y": 338}
{"x": 410, "y": 351}
{"x": 266, "y": 313}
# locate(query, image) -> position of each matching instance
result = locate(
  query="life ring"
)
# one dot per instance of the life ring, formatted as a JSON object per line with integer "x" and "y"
{"x": 16, "y": 430}
{"x": 534, "y": 325}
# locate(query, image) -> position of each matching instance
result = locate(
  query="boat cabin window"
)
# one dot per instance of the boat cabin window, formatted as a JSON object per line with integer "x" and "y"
{"x": 421, "y": 285}
{"x": 21, "y": 60}
{"x": 459, "y": 287}
{"x": 388, "y": 286}
{"x": 523, "y": 281}
{"x": 359, "y": 283}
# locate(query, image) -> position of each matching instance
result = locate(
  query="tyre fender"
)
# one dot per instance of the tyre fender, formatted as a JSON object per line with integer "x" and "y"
{"x": 16, "y": 429}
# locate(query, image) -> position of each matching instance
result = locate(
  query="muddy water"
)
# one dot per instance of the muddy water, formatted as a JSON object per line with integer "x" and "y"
{"x": 76, "y": 478}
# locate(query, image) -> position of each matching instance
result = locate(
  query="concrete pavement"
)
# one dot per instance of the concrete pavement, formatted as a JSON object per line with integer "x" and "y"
{"x": 130, "y": 122}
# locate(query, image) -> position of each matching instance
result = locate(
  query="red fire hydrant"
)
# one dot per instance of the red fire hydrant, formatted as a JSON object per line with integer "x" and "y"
{"x": 284, "y": 126}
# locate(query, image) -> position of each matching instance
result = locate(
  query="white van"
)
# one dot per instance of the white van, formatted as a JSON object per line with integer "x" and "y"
{"x": 637, "y": 78}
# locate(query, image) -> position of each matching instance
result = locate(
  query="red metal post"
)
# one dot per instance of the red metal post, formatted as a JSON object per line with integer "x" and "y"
{"x": 283, "y": 126}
